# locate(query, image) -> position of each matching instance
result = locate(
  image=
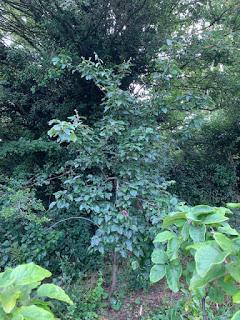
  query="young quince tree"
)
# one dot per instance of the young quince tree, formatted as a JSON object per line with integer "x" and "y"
{"x": 116, "y": 172}
{"x": 199, "y": 244}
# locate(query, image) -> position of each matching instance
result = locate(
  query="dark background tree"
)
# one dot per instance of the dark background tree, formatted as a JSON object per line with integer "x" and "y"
{"x": 185, "y": 53}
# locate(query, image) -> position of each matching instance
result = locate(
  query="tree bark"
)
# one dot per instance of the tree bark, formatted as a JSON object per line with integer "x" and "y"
{"x": 204, "y": 312}
{"x": 114, "y": 273}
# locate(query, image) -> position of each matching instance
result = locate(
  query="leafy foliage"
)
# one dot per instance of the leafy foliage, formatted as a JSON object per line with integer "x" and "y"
{"x": 163, "y": 107}
{"x": 200, "y": 245}
{"x": 90, "y": 301}
{"x": 21, "y": 292}
{"x": 124, "y": 194}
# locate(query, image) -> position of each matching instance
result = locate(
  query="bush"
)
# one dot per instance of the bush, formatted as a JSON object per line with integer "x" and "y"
{"x": 89, "y": 302}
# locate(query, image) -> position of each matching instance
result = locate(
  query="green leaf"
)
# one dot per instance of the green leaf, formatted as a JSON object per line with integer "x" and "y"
{"x": 228, "y": 285}
{"x": 206, "y": 257}
{"x": 164, "y": 236}
{"x": 29, "y": 273}
{"x": 234, "y": 270}
{"x": 236, "y": 297}
{"x": 174, "y": 218}
{"x": 233, "y": 205}
{"x": 227, "y": 229}
{"x": 202, "y": 209}
{"x": 199, "y": 245}
{"x": 32, "y": 313}
{"x": 214, "y": 218}
{"x": 197, "y": 213}
{"x": 236, "y": 316}
{"x": 157, "y": 272}
{"x": 207, "y": 214}
{"x": 198, "y": 282}
{"x": 54, "y": 292}
{"x": 224, "y": 243}
{"x": 8, "y": 299}
{"x": 6, "y": 278}
{"x": 173, "y": 274}
{"x": 159, "y": 256}
{"x": 185, "y": 231}
{"x": 73, "y": 137}
{"x": 172, "y": 248}
{"x": 197, "y": 233}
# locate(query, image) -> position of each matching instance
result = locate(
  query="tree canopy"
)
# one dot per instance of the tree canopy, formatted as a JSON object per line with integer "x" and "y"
{"x": 112, "y": 114}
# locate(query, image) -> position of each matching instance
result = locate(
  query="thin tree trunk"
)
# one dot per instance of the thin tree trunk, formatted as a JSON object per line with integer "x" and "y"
{"x": 114, "y": 273}
{"x": 204, "y": 312}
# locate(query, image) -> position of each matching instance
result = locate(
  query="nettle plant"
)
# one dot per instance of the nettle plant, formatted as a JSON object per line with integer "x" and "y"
{"x": 199, "y": 244}
{"x": 115, "y": 177}
{"x": 23, "y": 297}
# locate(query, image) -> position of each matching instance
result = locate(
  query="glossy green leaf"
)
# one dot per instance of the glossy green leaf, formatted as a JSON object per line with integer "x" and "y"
{"x": 157, "y": 273}
{"x": 54, "y": 292}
